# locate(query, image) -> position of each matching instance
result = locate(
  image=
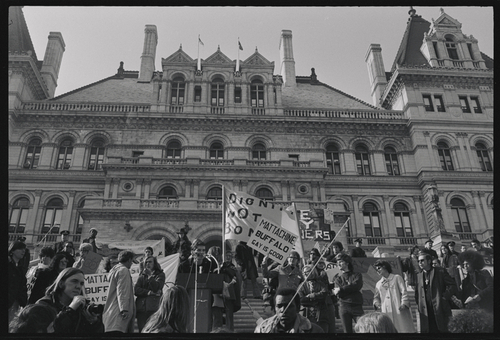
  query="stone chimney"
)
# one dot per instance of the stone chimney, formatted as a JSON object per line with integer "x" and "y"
{"x": 376, "y": 72}
{"x": 52, "y": 61}
{"x": 148, "y": 54}
{"x": 287, "y": 68}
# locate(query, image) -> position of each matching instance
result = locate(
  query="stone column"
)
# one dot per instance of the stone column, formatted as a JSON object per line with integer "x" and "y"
{"x": 433, "y": 157}
{"x": 79, "y": 158}
{"x": 147, "y": 187}
{"x": 107, "y": 185}
{"x": 419, "y": 220}
{"x": 187, "y": 183}
{"x": 66, "y": 218}
{"x": 230, "y": 90}
{"x": 357, "y": 224}
{"x": 484, "y": 209}
{"x": 244, "y": 186}
{"x": 284, "y": 191}
{"x": 446, "y": 217}
{"x": 116, "y": 182}
{"x": 138, "y": 189}
{"x": 47, "y": 155}
{"x": 33, "y": 212}
{"x": 314, "y": 186}
{"x": 479, "y": 211}
{"x": 390, "y": 227}
{"x": 292, "y": 190}
{"x": 322, "y": 191}
{"x": 196, "y": 184}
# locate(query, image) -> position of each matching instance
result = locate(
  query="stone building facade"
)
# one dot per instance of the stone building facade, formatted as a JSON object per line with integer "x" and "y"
{"x": 140, "y": 154}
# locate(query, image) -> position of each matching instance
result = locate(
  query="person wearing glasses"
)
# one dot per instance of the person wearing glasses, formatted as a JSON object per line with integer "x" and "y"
{"x": 434, "y": 292}
{"x": 391, "y": 297}
{"x": 289, "y": 275}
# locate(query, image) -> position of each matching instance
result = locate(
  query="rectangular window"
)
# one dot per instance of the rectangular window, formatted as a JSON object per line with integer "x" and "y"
{"x": 237, "y": 94}
{"x": 294, "y": 157}
{"x": 464, "y": 104}
{"x": 475, "y": 105}
{"x": 197, "y": 94}
{"x": 428, "y": 102}
{"x": 137, "y": 153}
{"x": 438, "y": 99}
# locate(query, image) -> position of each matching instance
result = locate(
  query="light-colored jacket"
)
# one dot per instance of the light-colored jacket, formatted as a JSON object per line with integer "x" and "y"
{"x": 120, "y": 297}
{"x": 301, "y": 325}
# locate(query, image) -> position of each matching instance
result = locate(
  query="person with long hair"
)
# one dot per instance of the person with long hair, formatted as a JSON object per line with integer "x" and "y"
{"x": 66, "y": 296}
{"x": 17, "y": 289}
{"x": 45, "y": 277}
{"x": 477, "y": 286}
{"x": 35, "y": 318}
{"x": 173, "y": 313}
{"x": 391, "y": 297}
{"x": 148, "y": 290}
{"x": 375, "y": 322}
{"x": 348, "y": 290}
{"x": 449, "y": 261}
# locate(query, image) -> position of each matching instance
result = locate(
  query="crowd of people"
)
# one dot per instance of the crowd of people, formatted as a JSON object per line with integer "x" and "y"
{"x": 299, "y": 294}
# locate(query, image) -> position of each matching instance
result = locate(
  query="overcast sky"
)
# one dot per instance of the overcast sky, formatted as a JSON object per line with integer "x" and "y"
{"x": 333, "y": 40}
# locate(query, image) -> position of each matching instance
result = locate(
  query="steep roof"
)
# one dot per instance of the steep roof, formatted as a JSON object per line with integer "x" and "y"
{"x": 409, "y": 50}
{"x": 19, "y": 36}
{"x": 318, "y": 95}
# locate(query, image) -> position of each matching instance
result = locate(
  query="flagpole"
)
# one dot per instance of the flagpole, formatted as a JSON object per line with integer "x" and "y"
{"x": 223, "y": 224}
{"x": 238, "y": 60}
{"x": 305, "y": 280}
{"x": 198, "y": 53}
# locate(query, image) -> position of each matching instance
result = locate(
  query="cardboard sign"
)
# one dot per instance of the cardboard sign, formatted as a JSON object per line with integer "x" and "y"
{"x": 272, "y": 240}
{"x": 91, "y": 263}
{"x": 96, "y": 287}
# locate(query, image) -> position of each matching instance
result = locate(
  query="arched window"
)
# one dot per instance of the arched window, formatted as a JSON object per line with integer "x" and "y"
{"x": 333, "y": 159}
{"x": 217, "y": 92}
{"x": 264, "y": 194}
{"x": 96, "y": 155}
{"x": 391, "y": 161}
{"x": 65, "y": 154}
{"x": 214, "y": 193}
{"x": 362, "y": 161}
{"x": 257, "y": 93}
{"x": 216, "y": 150}
{"x": 460, "y": 218}
{"x": 483, "y": 157}
{"x": 451, "y": 47}
{"x": 445, "y": 156}
{"x": 403, "y": 223}
{"x": 33, "y": 154}
{"x": 178, "y": 86}
{"x": 371, "y": 220}
{"x": 52, "y": 218}
{"x": 259, "y": 151}
{"x": 174, "y": 149}
{"x": 19, "y": 215}
{"x": 168, "y": 193}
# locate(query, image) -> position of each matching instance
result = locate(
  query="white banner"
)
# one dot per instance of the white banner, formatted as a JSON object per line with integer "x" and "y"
{"x": 272, "y": 240}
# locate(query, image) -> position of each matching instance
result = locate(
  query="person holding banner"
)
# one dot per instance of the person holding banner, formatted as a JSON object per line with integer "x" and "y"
{"x": 74, "y": 314}
{"x": 289, "y": 275}
{"x": 391, "y": 297}
{"x": 348, "y": 290}
{"x": 148, "y": 290}
{"x": 245, "y": 259}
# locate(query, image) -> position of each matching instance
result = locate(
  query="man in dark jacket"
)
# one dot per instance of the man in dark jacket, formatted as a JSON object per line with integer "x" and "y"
{"x": 197, "y": 261}
{"x": 435, "y": 288}
{"x": 358, "y": 251}
{"x": 244, "y": 258}
{"x": 348, "y": 290}
{"x": 182, "y": 245}
{"x": 58, "y": 246}
{"x": 91, "y": 239}
{"x": 428, "y": 249}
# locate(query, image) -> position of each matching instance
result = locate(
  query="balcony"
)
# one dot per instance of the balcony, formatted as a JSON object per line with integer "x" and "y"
{"x": 352, "y": 114}
{"x": 86, "y": 107}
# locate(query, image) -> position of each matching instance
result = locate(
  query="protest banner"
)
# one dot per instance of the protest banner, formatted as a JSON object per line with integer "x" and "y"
{"x": 96, "y": 287}
{"x": 244, "y": 212}
{"x": 272, "y": 240}
{"x": 91, "y": 263}
{"x": 289, "y": 221}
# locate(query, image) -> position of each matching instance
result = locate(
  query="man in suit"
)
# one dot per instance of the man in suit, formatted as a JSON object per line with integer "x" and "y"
{"x": 59, "y": 246}
{"x": 91, "y": 239}
{"x": 434, "y": 290}
{"x": 358, "y": 251}
{"x": 244, "y": 258}
{"x": 25, "y": 261}
{"x": 428, "y": 249}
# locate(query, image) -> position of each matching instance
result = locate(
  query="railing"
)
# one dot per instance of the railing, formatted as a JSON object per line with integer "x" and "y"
{"x": 376, "y": 240}
{"x": 258, "y": 111}
{"x": 458, "y": 63}
{"x": 408, "y": 240}
{"x": 176, "y": 109}
{"x": 303, "y": 164}
{"x": 169, "y": 161}
{"x": 211, "y": 204}
{"x": 51, "y": 106}
{"x": 476, "y": 64}
{"x": 159, "y": 203}
{"x": 344, "y": 114}
{"x": 49, "y": 240}
{"x": 112, "y": 203}
{"x": 263, "y": 163}
{"x": 130, "y": 160}
{"x": 467, "y": 236}
{"x": 441, "y": 63}
{"x": 216, "y": 162}
{"x": 217, "y": 110}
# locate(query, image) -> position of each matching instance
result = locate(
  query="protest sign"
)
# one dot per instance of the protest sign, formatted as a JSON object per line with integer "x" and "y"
{"x": 244, "y": 212}
{"x": 272, "y": 240}
{"x": 91, "y": 263}
{"x": 96, "y": 287}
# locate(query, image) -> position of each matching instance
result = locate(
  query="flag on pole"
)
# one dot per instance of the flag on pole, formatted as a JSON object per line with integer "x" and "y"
{"x": 199, "y": 60}
{"x": 239, "y": 45}
{"x": 201, "y": 42}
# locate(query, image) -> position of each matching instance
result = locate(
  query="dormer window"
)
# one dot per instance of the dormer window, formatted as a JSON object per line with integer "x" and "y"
{"x": 178, "y": 86}
{"x": 451, "y": 47}
{"x": 257, "y": 93}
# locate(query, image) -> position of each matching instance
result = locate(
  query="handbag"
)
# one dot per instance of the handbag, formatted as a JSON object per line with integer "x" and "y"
{"x": 226, "y": 294}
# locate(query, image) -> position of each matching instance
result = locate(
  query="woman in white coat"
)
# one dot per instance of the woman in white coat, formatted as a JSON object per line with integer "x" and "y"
{"x": 391, "y": 298}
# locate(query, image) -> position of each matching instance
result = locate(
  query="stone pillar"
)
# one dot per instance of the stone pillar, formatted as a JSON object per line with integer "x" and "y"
{"x": 66, "y": 218}
{"x": 138, "y": 190}
{"x": 196, "y": 184}
{"x": 187, "y": 183}
{"x": 148, "y": 54}
{"x": 357, "y": 224}
{"x": 314, "y": 186}
{"x": 230, "y": 90}
{"x": 33, "y": 212}
{"x": 447, "y": 222}
{"x": 79, "y": 151}
{"x": 116, "y": 182}
{"x": 376, "y": 72}
{"x": 479, "y": 211}
{"x": 433, "y": 157}
{"x": 244, "y": 95}
{"x": 270, "y": 95}
{"x": 484, "y": 206}
{"x": 244, "y": 186}
{"x": 390, "y": 229}
{"x": 292, "y": 190}
{"x": 147, "y": 188}
{"x": 419, "y": 221}
{"x": 284, "y": 191}
{"x": 107, "y": 185}
{"x": 322, "y": 191}
{"x": 52, "y": 61}
{"x": 47, "y": 155}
